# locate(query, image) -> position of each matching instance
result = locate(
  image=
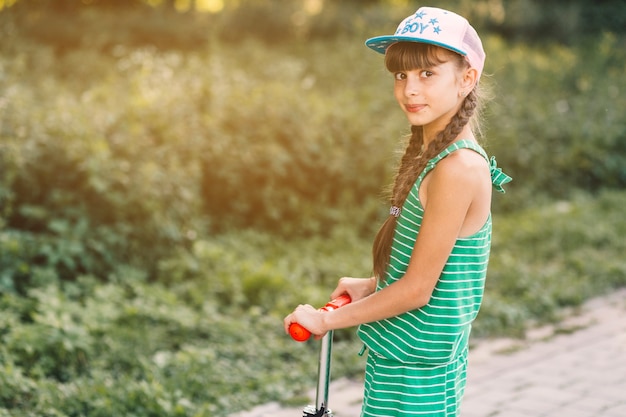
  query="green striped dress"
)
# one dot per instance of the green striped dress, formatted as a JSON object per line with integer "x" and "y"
{"x": 417, "y": 361}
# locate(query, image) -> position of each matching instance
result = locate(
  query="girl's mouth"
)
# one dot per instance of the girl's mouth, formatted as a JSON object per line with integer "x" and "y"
{"x": 414, "y": 108}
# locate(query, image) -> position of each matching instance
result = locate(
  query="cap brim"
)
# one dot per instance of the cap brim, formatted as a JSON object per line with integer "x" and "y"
{"x": 381, "y": 43}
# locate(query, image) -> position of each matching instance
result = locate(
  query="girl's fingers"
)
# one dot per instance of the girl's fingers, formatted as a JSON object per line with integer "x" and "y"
{"x": 292, "y": 318}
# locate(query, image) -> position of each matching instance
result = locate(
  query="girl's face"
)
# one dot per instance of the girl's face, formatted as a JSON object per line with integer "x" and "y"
{"x": 431, "y": 92}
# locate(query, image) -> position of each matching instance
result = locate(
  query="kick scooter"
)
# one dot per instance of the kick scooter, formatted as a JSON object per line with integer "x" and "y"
{"x": 299, "y": 333}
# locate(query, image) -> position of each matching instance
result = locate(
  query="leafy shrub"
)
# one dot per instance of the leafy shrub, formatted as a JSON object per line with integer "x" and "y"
{"x": 547, "y": 146}
{"x": 552, "y": 256}
{"x": 162, "y": 209}
{"x": 104, "y": 164}
{"x": 274, "y": 21}
{"x": 209, "y": 340}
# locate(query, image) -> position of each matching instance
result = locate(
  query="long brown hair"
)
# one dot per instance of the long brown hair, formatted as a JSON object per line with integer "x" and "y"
{"x": 405, "y": 56}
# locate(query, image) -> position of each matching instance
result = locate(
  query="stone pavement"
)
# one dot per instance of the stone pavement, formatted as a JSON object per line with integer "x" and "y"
{"x": 574, "y": 369}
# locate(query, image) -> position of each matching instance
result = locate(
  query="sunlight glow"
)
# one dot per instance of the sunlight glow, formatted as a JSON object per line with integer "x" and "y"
{"x": 6, "y": 3}
{"x": 313, "y": 7}
{"x": 182, "y": 5}
{"x": 210, "y": 6}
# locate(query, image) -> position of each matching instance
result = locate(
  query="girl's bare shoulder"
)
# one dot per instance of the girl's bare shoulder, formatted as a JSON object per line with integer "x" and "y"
{"x": 462, "y": 163}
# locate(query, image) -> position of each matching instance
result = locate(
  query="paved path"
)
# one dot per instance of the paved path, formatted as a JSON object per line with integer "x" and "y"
{"x": 574, "y": 369}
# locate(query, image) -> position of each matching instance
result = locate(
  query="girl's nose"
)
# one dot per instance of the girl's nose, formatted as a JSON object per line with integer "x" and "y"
{"x": 411, "y": 87}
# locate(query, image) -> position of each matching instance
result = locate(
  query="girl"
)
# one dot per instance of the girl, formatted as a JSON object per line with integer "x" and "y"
{"x": 431, "y": 254}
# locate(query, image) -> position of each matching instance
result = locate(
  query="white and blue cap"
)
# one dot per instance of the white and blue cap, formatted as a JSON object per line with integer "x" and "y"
{"x": 438, "y": 27}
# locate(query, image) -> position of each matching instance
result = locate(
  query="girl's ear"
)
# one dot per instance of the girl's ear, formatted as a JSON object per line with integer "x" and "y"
{"x": 470, "y": 78}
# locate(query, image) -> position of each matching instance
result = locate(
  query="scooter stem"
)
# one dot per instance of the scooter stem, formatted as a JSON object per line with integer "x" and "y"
{"x": 323, "y": 374}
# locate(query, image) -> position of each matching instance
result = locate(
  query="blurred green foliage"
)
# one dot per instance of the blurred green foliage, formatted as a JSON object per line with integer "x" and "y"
{"x": 171, "y": 184}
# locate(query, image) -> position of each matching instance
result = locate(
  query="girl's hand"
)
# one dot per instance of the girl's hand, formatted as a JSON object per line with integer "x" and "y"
{"x": 356, "y": 288}
{"x": 309, "y": 318}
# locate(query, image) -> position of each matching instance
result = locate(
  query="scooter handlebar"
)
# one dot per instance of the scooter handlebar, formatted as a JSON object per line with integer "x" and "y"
{"x": 301, "y": 334}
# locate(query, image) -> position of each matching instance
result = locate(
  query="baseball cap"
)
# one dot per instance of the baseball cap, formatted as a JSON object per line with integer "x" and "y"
{"x": 436, "y": 27}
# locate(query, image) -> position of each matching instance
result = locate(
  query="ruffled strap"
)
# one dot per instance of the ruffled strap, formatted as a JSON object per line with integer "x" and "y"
{"x": 498, "y": 178}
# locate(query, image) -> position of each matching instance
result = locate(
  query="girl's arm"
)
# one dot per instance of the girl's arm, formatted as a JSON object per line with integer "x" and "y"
{"x": 451, "y": 190}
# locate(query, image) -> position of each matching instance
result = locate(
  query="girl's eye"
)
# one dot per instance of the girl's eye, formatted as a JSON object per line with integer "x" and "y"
{"x": 399, "y": 76}
{"x": 426, "y": 74}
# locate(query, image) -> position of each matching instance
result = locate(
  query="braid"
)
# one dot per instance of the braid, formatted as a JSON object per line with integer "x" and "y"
{"x": 412, "y": 164}
{"x": 410, "y": 158}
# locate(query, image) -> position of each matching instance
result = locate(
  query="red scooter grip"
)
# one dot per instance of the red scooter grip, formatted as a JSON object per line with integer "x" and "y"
{"x": 301, "y": 334}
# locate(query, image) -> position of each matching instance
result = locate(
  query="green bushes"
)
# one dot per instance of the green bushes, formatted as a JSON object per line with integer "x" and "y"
{"x": 553, "y": 256}
{"x": 210, "y": 341}
{"x": 161, "y": 209}
{"x": 148, "y": 150}
{"x": 550, "y": 103}
{"x": 205, "y": 345}
{"x": 274, "y": 21}
{"x": 163, "y": 147}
